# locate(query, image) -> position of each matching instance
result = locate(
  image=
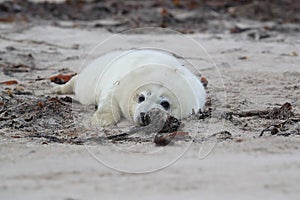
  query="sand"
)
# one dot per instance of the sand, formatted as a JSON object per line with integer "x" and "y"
{"x": 243, "y": 74}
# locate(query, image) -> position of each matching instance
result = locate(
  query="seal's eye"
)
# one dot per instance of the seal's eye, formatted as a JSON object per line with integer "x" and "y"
{"x": 141, "y": 98}
{"x": 165, "y": 105}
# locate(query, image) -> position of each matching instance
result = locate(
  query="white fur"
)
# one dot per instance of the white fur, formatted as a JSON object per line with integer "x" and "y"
{"x": 115, "y": 81}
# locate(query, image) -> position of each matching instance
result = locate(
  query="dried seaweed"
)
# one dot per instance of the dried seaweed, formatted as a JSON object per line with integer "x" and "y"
{"x": 286, "y": 128}
{"x": 35, "y": 114}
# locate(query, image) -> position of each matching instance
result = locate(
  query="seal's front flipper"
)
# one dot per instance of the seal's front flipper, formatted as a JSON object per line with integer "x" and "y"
{"x": 108, "y": 112}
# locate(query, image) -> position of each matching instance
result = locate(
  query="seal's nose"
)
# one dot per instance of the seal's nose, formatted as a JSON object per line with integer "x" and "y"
{"x": 142, "y": 114}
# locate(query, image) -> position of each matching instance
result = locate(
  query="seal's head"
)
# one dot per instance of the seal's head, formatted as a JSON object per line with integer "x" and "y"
{"x": 151, "y": 96}
{"x": 172, "y": 89}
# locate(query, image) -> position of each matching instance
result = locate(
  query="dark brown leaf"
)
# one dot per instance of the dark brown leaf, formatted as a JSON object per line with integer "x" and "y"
{"x": 61, "y": 78}
{"x": 11, "y": 82}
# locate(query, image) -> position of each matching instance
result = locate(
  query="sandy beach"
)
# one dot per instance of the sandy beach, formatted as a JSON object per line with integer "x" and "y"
{"x": 225, "y": 155}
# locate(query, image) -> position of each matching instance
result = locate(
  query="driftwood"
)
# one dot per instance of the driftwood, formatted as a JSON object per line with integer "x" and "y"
{"x": 283, "y": 112}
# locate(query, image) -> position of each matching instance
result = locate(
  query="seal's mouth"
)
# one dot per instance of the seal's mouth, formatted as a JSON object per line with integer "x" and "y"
{"x": 145, "y": 119}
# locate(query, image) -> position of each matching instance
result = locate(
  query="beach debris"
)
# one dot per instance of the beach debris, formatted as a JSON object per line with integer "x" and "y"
{"x": 283, "y": 112}
{"x": 32, "y": 114}
{"x": 291, "y": 54}
{"x": 10, "y": 68}
{"x": 288, "y": 127}
{"x": 202, "y": 114}
{"x": 163, "y": 139}
{"x": 61, "y": 78}
{"x": 156, "y": 121}
{"x": 10, "y": 82}
{"x": 204, "y": 82}
{"x": 243, "y": 58}
{"x": 237, "y": 29}
{"x": 222, "y": 135}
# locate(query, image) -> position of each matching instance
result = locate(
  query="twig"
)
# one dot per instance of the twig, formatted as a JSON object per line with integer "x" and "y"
{"x": 284, "y": 112}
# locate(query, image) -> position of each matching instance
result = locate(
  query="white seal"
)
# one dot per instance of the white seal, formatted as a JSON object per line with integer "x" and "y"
{"x": 128, "y": 84}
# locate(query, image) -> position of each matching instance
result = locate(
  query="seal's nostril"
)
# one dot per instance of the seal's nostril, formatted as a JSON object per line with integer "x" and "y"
{"x": 142, "y": 114}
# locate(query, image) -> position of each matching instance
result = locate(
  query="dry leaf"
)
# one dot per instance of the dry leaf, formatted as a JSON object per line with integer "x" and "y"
{"x": 40, "y": 104}
{"x": 164, "y": 12}
{"x": 177, "y": 3}
{"x": 61, "y": 78}
{"x": 7, "y": 19}
{"x": 204, "y": 81}
{"x": 11, "y": 82}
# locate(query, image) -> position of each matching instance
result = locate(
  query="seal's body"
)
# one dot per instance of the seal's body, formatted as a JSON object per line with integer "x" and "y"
{"x": 128, "y": 84}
